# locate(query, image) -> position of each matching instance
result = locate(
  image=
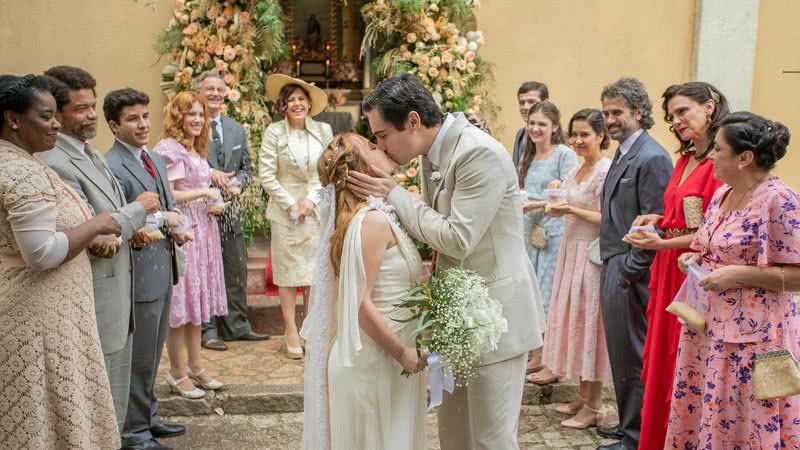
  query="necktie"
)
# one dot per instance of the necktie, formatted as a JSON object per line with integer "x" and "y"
{"x": 149, "y": 166}
{"x": 97, "y": 163}
{"x": 216, "y": 142}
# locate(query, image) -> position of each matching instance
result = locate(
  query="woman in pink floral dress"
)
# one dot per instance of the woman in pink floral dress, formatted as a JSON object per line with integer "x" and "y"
{"x": 750, "y": 241}
{"x": 200, "y": 294}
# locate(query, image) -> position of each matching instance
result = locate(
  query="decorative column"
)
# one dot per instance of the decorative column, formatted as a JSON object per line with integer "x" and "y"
{"x": 725, "y": 47}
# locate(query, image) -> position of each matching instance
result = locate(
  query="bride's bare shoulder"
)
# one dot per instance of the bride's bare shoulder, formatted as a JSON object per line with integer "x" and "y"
{"x": 376, "y": 230}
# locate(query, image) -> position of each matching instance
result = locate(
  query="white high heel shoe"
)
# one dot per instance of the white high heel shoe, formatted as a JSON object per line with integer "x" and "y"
{"x": 194, "y": 394}
{"x": 212, "y": 385}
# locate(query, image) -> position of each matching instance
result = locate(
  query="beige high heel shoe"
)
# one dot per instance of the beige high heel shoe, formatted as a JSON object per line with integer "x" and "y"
{"x": 174, "y": 387}
{"x": 212, "y": 385}
{"x": 597, "y": 417}
{"x": 293, "y": 352}
{"x": 571, "y": 408}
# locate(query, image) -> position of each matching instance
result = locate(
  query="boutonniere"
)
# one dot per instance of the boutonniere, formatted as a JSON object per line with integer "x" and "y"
{"x": 436, "y": 177}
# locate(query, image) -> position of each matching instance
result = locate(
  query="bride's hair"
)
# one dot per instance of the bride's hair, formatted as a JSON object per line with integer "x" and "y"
{"x": 342, "y": 156}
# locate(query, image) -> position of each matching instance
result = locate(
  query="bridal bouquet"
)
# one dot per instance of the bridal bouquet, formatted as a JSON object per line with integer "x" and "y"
{"x": 457, "y": 322}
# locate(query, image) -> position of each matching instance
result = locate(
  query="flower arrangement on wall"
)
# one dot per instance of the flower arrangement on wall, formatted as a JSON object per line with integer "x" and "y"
{"x": 243, "y": 40}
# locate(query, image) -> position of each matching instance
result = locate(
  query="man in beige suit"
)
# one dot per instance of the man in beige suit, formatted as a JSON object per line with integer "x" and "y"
{"x": 471, "y": 213}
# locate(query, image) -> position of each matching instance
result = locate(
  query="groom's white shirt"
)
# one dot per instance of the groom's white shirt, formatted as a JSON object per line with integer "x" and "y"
{"x": 474, "y": 218}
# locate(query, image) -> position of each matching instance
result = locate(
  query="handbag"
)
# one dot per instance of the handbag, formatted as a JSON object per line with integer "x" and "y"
{"x": 776, "y": 375}
{"x": 538, "y": 237}
{"x": 593, "y": 252}
{"x": 180, "y": 258}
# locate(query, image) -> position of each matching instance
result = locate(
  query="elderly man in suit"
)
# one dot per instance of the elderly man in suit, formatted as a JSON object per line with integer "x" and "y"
{"x": 229, "y": 156}
{"x": 528, "y": 94}
{"x": 85, "y": 170}
{"x": 471, "y": 214}
{"x": 634, "y": 186}
{"x": 154, "y": 266}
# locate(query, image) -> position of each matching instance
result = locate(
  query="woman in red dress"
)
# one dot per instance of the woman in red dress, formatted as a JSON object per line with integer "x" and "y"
{"x": 692, "y": 110}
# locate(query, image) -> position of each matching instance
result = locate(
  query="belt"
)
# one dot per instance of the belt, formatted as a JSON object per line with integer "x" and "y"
{"x": 676, "y": 232}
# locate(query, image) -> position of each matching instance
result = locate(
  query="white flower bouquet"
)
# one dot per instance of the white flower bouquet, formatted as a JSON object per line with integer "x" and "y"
{"x": 457, "y": 321}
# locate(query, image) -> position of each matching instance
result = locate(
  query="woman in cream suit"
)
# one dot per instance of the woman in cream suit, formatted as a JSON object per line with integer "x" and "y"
{"x": 288, "y": 168}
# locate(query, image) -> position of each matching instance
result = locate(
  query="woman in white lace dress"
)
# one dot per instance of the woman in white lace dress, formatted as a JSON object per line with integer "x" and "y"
{"x": 356, "y": 347}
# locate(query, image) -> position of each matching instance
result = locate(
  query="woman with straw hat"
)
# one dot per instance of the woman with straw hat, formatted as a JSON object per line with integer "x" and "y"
{"x": 288, "y": 169}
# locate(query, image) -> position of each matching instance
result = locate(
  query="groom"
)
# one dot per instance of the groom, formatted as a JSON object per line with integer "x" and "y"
{"x": 471, "y": 214}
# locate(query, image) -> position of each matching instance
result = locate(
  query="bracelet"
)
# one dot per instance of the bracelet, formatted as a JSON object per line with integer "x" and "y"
{"x": 783, "y": 281}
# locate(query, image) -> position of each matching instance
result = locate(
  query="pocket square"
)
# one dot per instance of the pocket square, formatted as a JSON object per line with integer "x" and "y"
{"x": 625, "y": 180}
{"x": 236, "y": 147}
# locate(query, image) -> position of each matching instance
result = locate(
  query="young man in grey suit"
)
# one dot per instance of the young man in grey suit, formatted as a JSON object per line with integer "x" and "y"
{"x": 471, "y": 213}
{"x": 154, "y": 264}
{"x": 229, "y": 156}
{"x": 85, "y": 170}
{"x": 634, "y": 186}
{"x": 529, "y": 94}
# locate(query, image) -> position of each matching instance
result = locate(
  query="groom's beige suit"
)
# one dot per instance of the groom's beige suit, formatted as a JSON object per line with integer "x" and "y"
{"x": 472, "y": 214}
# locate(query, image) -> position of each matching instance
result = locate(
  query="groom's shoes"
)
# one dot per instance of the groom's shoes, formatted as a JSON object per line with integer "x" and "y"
{"x": 214, "y": 344}
{"x": 613, "y": 432}
{"x": 166, "y": 430}
{"x": 253, "y": 336}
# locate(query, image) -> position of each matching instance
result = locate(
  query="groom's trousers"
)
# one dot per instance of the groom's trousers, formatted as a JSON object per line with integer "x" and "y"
{"x": 485, "y": 415}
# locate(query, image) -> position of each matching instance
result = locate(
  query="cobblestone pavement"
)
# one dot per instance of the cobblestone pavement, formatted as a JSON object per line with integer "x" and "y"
{"x": 539, "y": 429}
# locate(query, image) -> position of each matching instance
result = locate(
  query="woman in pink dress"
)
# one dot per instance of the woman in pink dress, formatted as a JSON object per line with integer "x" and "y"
{"x": 200, "y": 294}
{"x": 574, "y": 343}
{"x": 750, "y": 241}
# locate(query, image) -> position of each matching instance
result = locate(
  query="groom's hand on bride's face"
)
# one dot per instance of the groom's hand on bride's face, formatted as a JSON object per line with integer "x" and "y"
{"x": 364, "y": 185}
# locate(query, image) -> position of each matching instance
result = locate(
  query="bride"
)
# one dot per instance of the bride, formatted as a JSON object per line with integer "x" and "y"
{"x": 356, "y": 347}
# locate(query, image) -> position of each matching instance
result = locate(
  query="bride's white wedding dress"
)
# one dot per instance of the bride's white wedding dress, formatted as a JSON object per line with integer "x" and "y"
{"x": 355, "y": 396}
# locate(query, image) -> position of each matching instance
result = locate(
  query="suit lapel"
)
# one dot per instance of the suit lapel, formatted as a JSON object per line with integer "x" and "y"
{"x": 136, "y": 169}
{"x": 449, "y": 144}
{"x": 227, "y": 142}
{"x": 81, "y": 161}
{"x": 621, "y": 166}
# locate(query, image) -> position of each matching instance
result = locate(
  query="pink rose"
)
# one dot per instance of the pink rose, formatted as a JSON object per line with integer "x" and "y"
{"x": 244, "y": 17}
{"x": 221, "y": 21}
{"x": 234, "y": 95}
{"x": 229, "y": 53}
{"x": 191, "y": 29}
{"x": 228, "y": 78}
{"x": 213, "y": 13}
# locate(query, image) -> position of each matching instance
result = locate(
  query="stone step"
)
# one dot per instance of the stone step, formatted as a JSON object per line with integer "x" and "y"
{"x": 267, "y": 398}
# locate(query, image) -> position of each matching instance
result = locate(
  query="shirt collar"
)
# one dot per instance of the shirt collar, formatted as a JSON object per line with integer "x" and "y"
{"x": 217, "y": 118}
{"x": 137, "y": 151}
{"x": 626, "y": 145}
{"x": 75, "y": 142}
{"x": 436, "y": 147}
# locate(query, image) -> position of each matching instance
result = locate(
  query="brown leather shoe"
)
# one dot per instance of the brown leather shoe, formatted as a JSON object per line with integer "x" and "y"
{"x": 215, "y": 344}
{"x": 253, "y": 336}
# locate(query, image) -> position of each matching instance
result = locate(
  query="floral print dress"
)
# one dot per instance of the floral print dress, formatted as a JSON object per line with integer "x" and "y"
{"x": 713, "y": 404}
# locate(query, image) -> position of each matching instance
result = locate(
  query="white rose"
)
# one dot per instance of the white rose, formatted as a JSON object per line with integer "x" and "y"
{"x": 473, "y": 46}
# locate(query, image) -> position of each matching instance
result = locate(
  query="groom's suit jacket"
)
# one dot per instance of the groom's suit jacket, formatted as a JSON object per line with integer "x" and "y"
{"x": 473, "y": 214}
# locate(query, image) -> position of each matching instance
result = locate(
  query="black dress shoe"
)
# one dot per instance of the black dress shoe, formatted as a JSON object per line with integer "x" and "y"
{"x": 615, "y": 446}
{"x": 164, "y": 430}
{"x": 253, "y": 336}
{"x": 610, "y": 432}
{"x": 152, "y": 444}
{"x": 215, "y": 344}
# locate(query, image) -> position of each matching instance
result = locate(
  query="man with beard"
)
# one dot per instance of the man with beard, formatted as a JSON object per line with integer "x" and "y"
{"x": 634, "y": 186}
{"x": 229, "y": 157}
{"x": 85, "y": 170}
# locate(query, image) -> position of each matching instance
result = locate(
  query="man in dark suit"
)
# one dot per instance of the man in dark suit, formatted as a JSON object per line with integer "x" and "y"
{"x": 154, "y": 264}
{"x": 81, "y": 166}
{"x": 229, "y": 156}
{"x": 634, "y": 186}
{"x": 529, "y": 94}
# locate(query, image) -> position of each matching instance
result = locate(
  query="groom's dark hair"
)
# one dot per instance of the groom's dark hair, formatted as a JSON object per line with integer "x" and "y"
{"x": 396, "y": 97}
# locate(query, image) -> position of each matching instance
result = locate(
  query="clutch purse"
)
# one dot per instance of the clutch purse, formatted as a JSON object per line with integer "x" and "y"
{"x": 776, "y": 375}
{"x": 688, "y": 315}
{"x": 538, "y": 237}
{"x": 693, "y": 211}
{"x": 593, "y": 252}
{"x": 180, "y": 258}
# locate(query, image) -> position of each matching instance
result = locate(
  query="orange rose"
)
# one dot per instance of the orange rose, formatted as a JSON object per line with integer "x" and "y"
{"x": 411, "y": 172}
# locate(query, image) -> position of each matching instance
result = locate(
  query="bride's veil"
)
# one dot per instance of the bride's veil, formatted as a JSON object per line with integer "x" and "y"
{"x": 317, "y": 330}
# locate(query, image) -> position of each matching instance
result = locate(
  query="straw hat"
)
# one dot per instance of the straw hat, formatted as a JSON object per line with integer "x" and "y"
{"x": 276, "y": 82}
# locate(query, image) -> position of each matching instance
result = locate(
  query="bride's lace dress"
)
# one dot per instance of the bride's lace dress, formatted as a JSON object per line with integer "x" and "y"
{"x": 369, "y": 403}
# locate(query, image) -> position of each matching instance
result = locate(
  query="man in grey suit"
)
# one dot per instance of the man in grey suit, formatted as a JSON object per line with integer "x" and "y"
{"x": 154, "y": 265}
{"x": 85, "y": 170}
{"x": 471, "y": 213}
{"x": 528, "y": 94}
{"x": 634, "y": 186}
{"x": 229, "y": 156}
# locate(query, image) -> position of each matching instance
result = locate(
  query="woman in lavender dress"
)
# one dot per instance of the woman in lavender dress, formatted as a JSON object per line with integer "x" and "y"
{"x": 200, "y": 294}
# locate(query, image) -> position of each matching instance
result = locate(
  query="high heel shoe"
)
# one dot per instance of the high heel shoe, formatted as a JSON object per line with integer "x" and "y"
{"x": 212, "y": 385}
{"x": 175, "y": 388}
{"x": 541, "y": 378}
{"x": 597, "y": 417}
{"x": 293, "y": 352}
